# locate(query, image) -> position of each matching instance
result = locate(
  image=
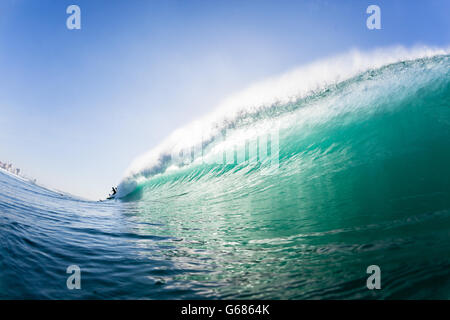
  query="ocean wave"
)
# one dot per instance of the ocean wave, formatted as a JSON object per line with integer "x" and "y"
{"x": 320, "y": 88}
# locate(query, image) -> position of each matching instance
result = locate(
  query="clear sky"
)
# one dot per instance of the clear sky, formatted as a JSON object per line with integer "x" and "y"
{"x": 77, "y": 106}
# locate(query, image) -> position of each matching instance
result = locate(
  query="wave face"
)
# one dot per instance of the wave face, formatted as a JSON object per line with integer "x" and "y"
{"x": 297, "y": 102}
{"x": 287, "y": 196}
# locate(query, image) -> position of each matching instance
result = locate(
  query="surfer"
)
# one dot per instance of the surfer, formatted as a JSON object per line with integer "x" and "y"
{"x": 112, "y": 195}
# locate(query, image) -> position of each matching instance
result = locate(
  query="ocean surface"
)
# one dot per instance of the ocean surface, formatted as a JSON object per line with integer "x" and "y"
{"x": 361, "y": 177}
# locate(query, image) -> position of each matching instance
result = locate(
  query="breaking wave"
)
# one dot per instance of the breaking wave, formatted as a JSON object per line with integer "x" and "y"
{"x": 358, "y": 84}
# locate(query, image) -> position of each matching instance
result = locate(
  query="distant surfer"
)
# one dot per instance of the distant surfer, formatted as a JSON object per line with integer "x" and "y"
{"x": 113, "y": 193}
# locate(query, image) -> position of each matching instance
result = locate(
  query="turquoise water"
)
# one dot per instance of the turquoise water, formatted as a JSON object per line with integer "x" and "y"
{"x": 362, "y": 178}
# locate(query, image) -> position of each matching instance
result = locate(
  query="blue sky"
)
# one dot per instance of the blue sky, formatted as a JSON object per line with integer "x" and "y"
{"x": 77, "y": 106}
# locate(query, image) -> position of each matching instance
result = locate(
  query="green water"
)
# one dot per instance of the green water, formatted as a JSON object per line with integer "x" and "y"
{"x": 363, "y": 179}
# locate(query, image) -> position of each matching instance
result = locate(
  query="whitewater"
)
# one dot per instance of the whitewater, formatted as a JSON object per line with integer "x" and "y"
{"x": 289, "y": 189}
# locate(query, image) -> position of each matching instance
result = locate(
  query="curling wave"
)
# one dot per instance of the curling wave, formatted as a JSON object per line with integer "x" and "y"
{"x": 356, "y": 82}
